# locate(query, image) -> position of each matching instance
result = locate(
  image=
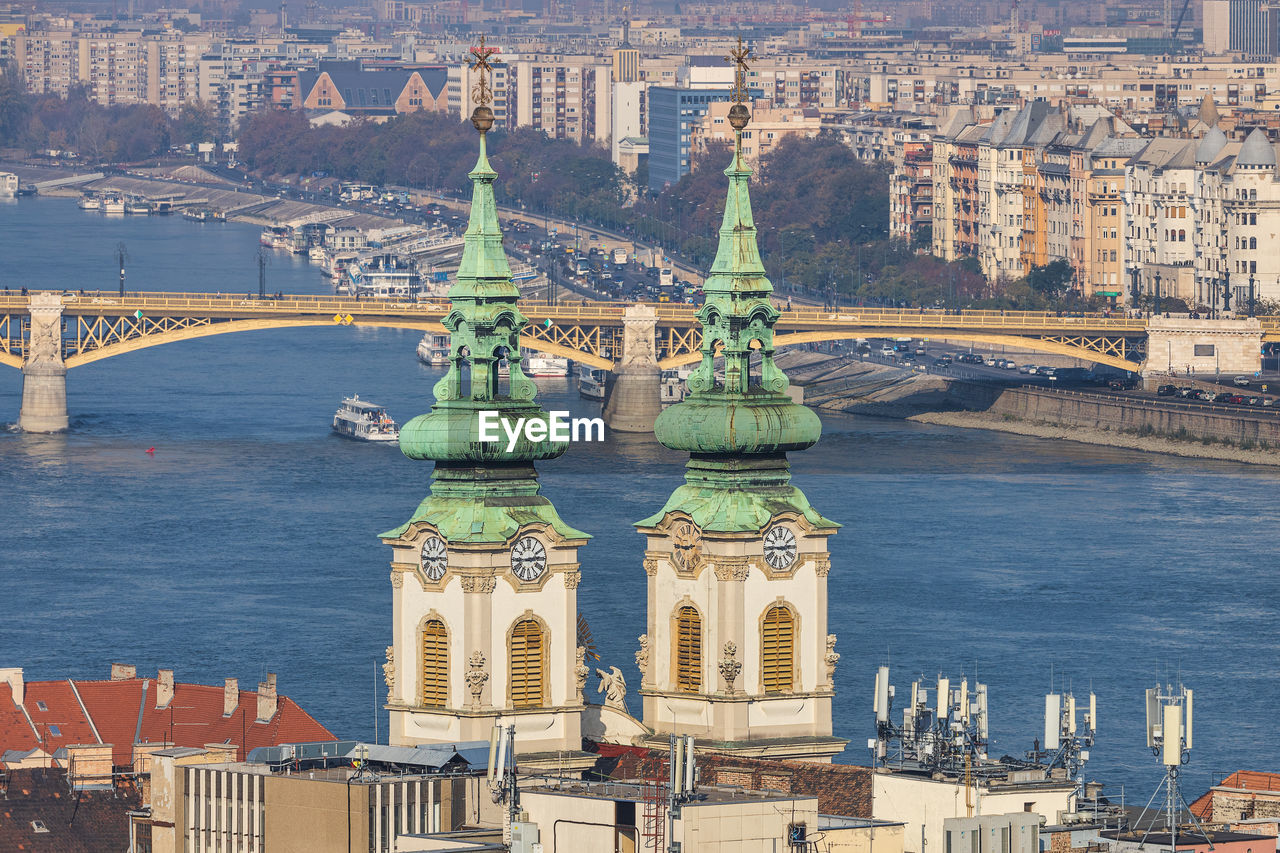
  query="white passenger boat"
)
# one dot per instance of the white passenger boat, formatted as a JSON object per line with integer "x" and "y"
{"x": 363, "y": 420}
{"x": 137, "y": 205}
{"x": 546, "y": 365}
{"x": 90, "y": 202}
{"x": 433, "y": 349}
{"x": 113, "y": 204}
{"x": 591, "y": 382}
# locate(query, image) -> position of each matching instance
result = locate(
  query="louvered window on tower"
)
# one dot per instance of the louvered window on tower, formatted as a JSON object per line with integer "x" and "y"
{"x": 688, "y": 650}
{"x": 777, "y": 644}
{"x": 526, "y": 664}
{"x": 435, "y": 664}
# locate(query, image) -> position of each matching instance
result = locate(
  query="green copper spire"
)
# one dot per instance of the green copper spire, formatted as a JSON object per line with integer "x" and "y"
{"x": 482, "y": 491}
{"x": 738, "y": 430}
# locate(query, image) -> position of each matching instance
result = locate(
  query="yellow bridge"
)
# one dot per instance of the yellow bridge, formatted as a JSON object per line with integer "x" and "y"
{"x": 99, "y": 326}
{"x": 49, "y": 331}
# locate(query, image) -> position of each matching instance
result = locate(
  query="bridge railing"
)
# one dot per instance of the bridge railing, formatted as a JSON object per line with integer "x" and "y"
{"x": 78, "y": 302}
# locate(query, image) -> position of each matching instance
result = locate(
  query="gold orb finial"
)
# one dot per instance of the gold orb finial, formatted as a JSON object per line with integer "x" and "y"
{"x": 482, "y": 92}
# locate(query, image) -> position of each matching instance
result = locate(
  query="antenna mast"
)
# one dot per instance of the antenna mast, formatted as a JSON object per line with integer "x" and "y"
{"x": 1169, "y": 737}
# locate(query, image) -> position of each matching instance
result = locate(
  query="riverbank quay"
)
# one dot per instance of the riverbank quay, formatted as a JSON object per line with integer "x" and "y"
{"x": 1200, "y": 430}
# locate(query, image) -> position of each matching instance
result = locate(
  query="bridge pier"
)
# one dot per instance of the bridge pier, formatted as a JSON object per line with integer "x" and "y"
{"x": 634, "y": 398}
{"x": 44, "y": 374}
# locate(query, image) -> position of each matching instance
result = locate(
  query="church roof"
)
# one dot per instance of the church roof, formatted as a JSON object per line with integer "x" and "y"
{"x": 737, "y": 431}
{"x": 483, "y": 490}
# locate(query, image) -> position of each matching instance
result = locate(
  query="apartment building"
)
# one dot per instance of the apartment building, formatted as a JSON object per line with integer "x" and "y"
{"x": 1205, "y": 217}
{"x": 565, "y": 100}
{"x": 911, "y": 186}
{"x": 769, "y": 126}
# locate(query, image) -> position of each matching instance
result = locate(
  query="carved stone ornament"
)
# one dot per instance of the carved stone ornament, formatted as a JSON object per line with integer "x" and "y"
{"x": 832, "y": 658}
{"x": 732, "y": 570}
{"x": 822, "y": 567}
{"x": 650, "y": 566}
{"x": 389, "y": 673}
{"x": 572, "y": 579}
{"x": 397, "y": 579}
{"x": 730, "y": 666}
{"x": 642, "y": 657}
{"x": 470, "y": 583}
{"x": 476, "y": 676}
{"x": 581, "y": 671}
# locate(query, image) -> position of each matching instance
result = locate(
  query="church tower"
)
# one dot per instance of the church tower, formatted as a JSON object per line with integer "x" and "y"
{"x": 485, "y": 573}
{"x": 737, "y": 651}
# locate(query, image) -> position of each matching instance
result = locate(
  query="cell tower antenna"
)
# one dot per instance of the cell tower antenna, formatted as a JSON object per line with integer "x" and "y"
{"x": 1169, "y": 736}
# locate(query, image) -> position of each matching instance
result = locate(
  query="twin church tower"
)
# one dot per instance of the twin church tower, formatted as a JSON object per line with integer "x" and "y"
{"x": 485, "y": 573}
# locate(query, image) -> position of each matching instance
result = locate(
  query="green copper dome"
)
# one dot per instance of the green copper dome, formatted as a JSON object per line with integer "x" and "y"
{"x": 483, "y": 491}
{"x": 737, "y": 429}
{"x": 737, "y": 415}
{"x": 484, "y": 326}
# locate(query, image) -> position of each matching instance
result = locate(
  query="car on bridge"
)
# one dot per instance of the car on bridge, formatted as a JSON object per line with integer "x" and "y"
{"x": 1167, "y": 391}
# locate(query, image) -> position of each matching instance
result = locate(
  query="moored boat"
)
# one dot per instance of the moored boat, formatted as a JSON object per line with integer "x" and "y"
{"x": 433, "y": 349}
{"x": 546, "y": 365}
{"x": 591, "y": 382}
{"x": 90, "y": 202}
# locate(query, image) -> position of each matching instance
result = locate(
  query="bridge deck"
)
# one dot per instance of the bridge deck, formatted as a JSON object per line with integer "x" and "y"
{"x": 669, "y": 314}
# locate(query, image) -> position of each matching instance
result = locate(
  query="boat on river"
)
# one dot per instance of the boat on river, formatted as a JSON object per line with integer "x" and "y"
{"x": 546, "y": 365}
{"x": 433, "y": 349}
{"x": 365, "y": 421}
{"x": 591, "y": 382}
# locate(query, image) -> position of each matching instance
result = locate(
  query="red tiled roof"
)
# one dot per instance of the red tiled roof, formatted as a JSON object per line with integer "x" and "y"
{"x": 1241, "y": 780}
{"x": 192, "y": 718}
{"x": 83, "y": 822}
{"x": 15, "y": 731}
{"x": 61, "y": 710}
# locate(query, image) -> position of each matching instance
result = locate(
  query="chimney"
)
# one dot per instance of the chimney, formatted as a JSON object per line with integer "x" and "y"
{"x": 164, "y": 688}
{"x": 13, "y": 677}
{"x": 230, "y": 696}
{"x": 267, "y": 698}
{"x": 123, "y": 671}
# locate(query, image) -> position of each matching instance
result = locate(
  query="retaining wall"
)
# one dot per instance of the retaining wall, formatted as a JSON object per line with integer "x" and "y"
{"x": 1076, "y": 408}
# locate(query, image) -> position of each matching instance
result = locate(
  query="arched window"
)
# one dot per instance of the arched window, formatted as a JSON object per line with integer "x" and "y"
{"x": 688, "y": 650}
{"x": 1253, "y": 242}
{"x": 777, "y": 649}
{"x": 435, "y": 664}
{"x": 528, "y": 652}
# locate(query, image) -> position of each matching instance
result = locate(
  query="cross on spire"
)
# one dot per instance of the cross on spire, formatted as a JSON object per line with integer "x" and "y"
{"x": 738, "y": 58}
{"x": 481, "y": 93}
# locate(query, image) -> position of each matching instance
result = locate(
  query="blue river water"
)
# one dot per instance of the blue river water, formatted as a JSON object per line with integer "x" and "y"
{"x": 247, "y": 542}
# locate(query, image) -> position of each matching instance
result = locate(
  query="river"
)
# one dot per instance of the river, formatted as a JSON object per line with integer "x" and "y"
{"x": 247, "y": 542}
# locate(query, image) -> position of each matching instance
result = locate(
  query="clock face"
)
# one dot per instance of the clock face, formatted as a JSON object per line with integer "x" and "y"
{"x": 780, "y": 547}
{"x": 435, "y": 559}
{"x": 688, "y": 542}
{"x": 528, "y": 559}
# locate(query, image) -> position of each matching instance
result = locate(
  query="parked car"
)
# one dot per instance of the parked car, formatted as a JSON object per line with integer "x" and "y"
{"x": 943, "y": 361}
{"x": 1009, "y": 365}
{"x": 1027, "y": 368}
{"x": 992, "y": 361}
{"x": 1189, "y": 393}
{"x": 1224, "y": 397}
{"x": 969, "y": 358}
{"x": 1203, "y": 395}
{"x": 1122, "y": 383}
{"x": 1167, "y": 391}
{"x": 1241, "y": 381}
